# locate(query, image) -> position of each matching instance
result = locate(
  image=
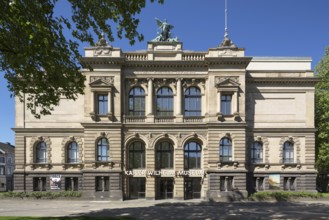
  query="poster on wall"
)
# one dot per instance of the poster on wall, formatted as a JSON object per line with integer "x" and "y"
{"x": 55, "y": 181}
{"x": 274, "y": 181}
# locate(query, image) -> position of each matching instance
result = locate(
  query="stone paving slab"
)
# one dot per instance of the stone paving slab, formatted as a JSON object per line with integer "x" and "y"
{"x": 168, "y": 209}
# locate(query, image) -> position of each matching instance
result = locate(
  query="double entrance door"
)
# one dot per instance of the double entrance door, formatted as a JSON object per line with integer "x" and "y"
{"x": 192, "y": 188}
{"x": 164, "y": 188}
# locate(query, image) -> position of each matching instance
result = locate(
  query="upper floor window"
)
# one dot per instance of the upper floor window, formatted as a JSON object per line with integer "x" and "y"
{"x": 192, "y": 155}
{"x": 225, "y": 150}
{"x": 137, "y": 101}
{"x": 192, "y": 101}
{"x": 2, "y": 170}
{"x": 2, "y": 160}
{"x": 41, "y": 152}
{"x": 137, "y": 155}
{"x": 257, "y": 152}
{"x": 103, "y": 148}
{"x": 165, "y": 105}
{"x": 288, "y": 152}
{"x": 102, "y": 104}
{"x": 73, "y": 153}
{"x": 226, "y": 104}
{"x": 164, "y": 155}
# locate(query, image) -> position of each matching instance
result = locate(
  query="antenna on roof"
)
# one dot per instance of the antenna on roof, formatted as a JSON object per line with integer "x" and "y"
{"x": 226, "y": 43}
{"x": 226, "y": 31}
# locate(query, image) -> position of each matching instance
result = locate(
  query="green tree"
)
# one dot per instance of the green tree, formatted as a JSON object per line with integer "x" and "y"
{"x": 322, "y": 114}
{"x": 39, "y": 62}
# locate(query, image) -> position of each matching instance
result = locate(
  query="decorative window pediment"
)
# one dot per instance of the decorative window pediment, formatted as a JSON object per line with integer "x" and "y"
{"x": 227, "y": 82}
{"x": 101, "y": 82}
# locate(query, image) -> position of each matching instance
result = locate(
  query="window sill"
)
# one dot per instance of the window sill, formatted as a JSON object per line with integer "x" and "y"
{"x": 109, "y": 164}
{"x": 96, "y": 117}
{"x": 221, "y": 164}
{"x": 40, "y": 165}
{"x": 291, "y": 165}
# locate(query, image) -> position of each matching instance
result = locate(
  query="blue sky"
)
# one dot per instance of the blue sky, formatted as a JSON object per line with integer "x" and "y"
{"x": 262, "y": 27}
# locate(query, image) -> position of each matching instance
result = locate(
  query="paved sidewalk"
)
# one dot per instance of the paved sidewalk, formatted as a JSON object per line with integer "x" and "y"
{"x": 168, "y": 209}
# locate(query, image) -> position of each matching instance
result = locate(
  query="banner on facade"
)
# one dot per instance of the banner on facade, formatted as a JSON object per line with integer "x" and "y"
{"x": 274, "y": 181}
{"x": 55, "y": 181}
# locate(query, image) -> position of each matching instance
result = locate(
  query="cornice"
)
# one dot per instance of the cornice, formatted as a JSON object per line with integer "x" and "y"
{"x": 289, "y": 80}
{"x": 282, "y": 130}
{"x": 48, "y": 130}
{"x": 86, "y": 61}
{"x": 101, "y": 125}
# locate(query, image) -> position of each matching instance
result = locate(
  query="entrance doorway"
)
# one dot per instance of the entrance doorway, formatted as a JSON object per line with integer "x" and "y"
{"x": 165, "y": 188}
{"x": 192, "y": 188}
{"x": 136, "y": 188}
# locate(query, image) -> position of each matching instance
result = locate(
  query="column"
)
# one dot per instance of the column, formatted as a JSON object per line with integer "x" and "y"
{"x": 40, "y": 183}
{"x": 219, "y": 99}
{"x": 257, "y": 183}
{"x": 92, "y": 102}
{"x": 179, "y": 100}
{"x": 236, "y": 101}
{"x": 179, "y": 97}
{"x": 150, "y": 97}
{"x": 109, "y": 105}
{"x": 226, "y": 183}
{"x": 103, "y": 184}
{"x": 72, "y": 184}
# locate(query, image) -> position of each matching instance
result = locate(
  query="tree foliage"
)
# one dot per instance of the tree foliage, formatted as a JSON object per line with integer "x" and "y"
{"x": 322, "y": 114}
{"x": 40, "y": 61}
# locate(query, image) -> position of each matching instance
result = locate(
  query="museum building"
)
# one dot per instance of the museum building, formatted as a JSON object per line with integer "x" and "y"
{"x": 169, "y": 123}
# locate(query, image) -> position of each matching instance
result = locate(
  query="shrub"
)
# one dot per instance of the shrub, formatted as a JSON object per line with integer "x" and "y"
{"x": 285, "y": 196}
{"x": 41, "y": 195}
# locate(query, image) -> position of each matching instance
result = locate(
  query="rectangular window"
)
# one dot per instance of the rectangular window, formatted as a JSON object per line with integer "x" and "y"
{"x": 8, "y": 170}
{"x": 226, "y": 104}
{"x": 226, "y": 183}
{"x": 289, "y": 183}
{"x": 9, "y": 160}
{"x": 2, "y": 160}
{"x": 71, "y": 183}
{"x": 2, "y": 170}
{"x": 102, "y": 104}
{"x": 259, "y": 183}
{"x": 102, "y": 183}
{"x": 137, "y": 188}
{"x": 39, "y": 183}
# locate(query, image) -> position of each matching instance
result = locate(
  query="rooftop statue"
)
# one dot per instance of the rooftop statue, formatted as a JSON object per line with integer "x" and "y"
{"x": 164, "y": 34}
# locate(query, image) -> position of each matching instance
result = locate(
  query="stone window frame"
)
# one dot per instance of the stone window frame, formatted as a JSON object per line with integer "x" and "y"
{"x": 33, "y": 145}
{"x": 185, "y": 83}
{"x": 296, "y": 142}
{"x": 130, "y": 84}
{"x": 228, "y": 85}
{"x": 101, "y": 85}
{"x": 65, "y": 143}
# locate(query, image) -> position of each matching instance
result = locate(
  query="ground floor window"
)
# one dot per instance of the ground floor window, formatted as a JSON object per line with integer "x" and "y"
{"x": 226, "y": 183}
{"x": 102, "y": 183}
{"x": 71, "y": 183}
{"x": 192, "y": 188}
{"x": 39, "y": 183}
{"x": 259, "y": 184}
{"x": 289, "y": 183}
{"x": 164, "y": 188}
{"x": 137, "y": 187}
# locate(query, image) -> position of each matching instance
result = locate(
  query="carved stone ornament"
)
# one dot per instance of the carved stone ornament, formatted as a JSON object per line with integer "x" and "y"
{"x": 227, "y": 81}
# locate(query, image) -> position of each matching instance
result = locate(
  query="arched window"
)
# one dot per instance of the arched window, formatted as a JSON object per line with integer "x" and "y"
{"x": 73, "y": 153}
{"x": 225, "y": 150}
{"x": 103, "y": 148}
{"x": 192, "y": 155}
{"x": 288, "y": 152}
{"x": 165, "y": 105}
{"x": 192, "y": 102}
{"x": 164, "y": 156}
{"x": 257, "y": 152}
{"x": 137, "y": 155}
{"x": 41, "y": 152}
{"x": 137, "y": 101}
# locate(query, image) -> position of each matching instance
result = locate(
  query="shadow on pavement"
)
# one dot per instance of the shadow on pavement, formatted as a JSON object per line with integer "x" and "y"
{"x": 219, "y": 210}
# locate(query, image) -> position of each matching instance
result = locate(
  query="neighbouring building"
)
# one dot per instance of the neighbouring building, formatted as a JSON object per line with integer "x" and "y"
{"x": 7, "y": 166}
{"x": 170, "y": 123}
